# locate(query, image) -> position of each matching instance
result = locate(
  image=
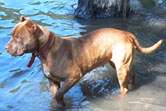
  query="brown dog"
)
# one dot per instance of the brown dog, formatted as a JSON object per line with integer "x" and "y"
{"x": 69, "y": 59}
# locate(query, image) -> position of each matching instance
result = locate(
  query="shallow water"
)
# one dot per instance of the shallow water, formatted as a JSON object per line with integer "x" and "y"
{"x": 26, "y": 89}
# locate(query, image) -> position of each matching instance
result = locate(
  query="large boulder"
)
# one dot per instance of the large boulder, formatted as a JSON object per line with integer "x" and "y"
{"x": 102, "y": 8}
{"x": 115, "y": 8}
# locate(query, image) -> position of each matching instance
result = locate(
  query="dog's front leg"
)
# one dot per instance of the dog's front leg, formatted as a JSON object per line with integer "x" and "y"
{"x": 54, "y": 86}
{"x": 68, "y": 83}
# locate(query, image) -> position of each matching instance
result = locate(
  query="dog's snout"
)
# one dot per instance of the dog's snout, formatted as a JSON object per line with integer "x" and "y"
{"x": 8, "y": 47}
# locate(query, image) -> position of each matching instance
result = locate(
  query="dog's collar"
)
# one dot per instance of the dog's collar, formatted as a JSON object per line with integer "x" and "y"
{"x": 43, "y": 50}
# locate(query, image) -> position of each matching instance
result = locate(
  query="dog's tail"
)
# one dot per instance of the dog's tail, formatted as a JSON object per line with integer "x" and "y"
{"x": 146, "y": 50}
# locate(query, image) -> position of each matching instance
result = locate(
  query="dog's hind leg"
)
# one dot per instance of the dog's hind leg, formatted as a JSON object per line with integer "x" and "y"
{"x": 122, "y": 58}
{"x": 131, "y": 81}
{"x": 122, "y": 75}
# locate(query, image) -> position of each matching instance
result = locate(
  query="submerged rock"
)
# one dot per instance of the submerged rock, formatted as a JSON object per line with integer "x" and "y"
{"x": 99, "y": 82}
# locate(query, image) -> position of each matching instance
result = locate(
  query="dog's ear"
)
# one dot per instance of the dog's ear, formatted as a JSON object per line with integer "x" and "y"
{"x": 22, "y": 18}
{"x": 36, "y": 30}
{"x": 33, "y": 28}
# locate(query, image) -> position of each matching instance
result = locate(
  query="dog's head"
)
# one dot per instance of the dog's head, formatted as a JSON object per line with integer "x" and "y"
{"x": 24, "y": 37}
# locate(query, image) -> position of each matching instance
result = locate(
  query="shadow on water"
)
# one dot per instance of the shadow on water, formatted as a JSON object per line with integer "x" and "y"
{"x": 24, "y": 89}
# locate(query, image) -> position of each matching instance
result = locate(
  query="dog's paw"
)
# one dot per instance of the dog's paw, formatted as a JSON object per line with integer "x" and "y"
{"x": 58, "y": 106}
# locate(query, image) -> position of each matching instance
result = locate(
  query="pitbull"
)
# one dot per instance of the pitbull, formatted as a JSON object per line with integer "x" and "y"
{"x": 68, "y": 59}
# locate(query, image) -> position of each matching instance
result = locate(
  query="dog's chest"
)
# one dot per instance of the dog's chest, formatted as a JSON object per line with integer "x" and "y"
{"x": 51, "y": 74}
{"x": 46, "y": 71}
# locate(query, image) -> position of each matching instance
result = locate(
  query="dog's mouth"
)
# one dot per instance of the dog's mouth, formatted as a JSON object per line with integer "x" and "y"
{"x": 18, "y": 52}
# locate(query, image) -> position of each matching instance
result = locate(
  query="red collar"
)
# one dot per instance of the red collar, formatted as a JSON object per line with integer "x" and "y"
{"x": 41, "y": 52}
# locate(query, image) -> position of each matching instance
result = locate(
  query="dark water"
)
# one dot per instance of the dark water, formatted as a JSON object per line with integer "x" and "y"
{"x": 26, "y": 89}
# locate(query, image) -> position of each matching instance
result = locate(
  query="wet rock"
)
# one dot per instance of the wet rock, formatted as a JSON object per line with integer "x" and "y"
{"x": 147, "y": 4}
{"x": 99, "y": 82}
{"x": 157, "y": 22}
{"x": 161, "y": 3}
{"x": 153, "y": 3}
{"x": 114, "y": 8}
{"x": 102, "y": 8}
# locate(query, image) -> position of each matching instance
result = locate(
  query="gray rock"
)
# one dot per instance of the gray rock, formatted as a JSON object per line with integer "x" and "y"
{"x": 102, "y": 8}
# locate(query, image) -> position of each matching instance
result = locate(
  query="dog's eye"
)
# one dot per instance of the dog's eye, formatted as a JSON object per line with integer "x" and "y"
{"x": 14, "y": 38}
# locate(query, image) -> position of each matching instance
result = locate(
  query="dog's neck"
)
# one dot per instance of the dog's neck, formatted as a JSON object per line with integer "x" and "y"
{"x": 44, "y": 36}
{"x": 44, "y": 45}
